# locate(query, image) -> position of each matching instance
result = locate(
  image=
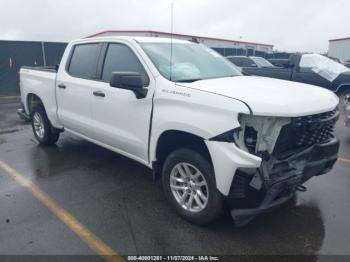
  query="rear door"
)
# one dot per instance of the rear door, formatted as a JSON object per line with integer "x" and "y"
{"x": 74, "y": 88}
{"x": 120, "y": 120}
{"x": 308, "y": 76}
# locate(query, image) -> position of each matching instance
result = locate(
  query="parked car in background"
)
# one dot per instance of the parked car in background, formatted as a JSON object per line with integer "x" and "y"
{"x": 261, "y": 62}
{"x": 242, "y": 61}
{"x": 311, "y": 69}
{"x": 251, "y": 61}
{"x": 209, "y": 133}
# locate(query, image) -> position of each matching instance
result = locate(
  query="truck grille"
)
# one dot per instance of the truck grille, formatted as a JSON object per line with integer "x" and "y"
{"x": 306, "y": 131}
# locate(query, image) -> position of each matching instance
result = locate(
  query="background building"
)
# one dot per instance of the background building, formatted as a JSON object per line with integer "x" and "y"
{"x": 225, "y": 47}
{"x": 339, "y": 48}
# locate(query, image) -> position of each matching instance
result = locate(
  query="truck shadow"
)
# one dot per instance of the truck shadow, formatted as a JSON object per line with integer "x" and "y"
{"x": 292, "y": 229}
{"x": 289, "y": 230}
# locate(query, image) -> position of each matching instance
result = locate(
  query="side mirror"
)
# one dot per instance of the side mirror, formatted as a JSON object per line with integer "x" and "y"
{"x": 130, "y": 81}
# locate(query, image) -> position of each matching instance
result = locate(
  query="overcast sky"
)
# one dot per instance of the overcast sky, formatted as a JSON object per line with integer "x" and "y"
{"x": 290, "y": 25}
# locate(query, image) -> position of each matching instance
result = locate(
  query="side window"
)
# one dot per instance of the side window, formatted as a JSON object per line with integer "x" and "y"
{"x": 83, "y": 61}
{"x": 237, "y": 61}
{"x": 306, "y": 62}
{"x": 247, "y": 62}
{"x": 120, "y": 58}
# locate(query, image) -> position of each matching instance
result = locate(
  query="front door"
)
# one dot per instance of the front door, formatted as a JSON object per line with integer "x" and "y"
{"x": 120, "y": 119}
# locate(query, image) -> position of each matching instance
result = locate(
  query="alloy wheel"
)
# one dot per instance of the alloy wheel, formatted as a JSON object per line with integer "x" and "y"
{"x": 189, "y": 187}
{"x": 38, "y": 125}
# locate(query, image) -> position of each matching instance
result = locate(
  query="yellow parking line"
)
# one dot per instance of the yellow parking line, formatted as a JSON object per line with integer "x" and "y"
{"x": 85, "y": 234}
{"x": 344, "y": 160}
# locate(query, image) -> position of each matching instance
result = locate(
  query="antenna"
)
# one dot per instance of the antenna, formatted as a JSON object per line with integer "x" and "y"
{"x": 171, "y": 38}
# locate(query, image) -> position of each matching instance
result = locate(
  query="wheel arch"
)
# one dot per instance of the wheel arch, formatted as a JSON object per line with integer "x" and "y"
{"x": 343, "y": 92}
{"x": 33, "y": 100}
{"x": 170, "y": 140}
{"x": 342, "y": 87}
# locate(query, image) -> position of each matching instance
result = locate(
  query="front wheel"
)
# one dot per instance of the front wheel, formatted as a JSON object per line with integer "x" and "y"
{"x": 42, "y": 129}
{"x": 189, "y": 185}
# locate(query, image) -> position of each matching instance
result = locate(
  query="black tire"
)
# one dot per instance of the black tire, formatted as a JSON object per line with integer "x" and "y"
{"x": 214, "y": 206}
{"x": 50, "y": 134}
{"x": 344, "y": 99}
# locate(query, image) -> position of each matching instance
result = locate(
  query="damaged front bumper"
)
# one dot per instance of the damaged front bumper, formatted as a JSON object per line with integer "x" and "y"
{"x": 285, "y": 177}
{"x": 262, "y": 163}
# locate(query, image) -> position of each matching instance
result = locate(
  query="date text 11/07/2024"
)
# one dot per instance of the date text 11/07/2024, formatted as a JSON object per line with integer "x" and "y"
{"x": 173, "y": 258}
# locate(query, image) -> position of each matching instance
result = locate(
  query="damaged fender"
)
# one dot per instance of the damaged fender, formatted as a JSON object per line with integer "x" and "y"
{"x": 226, "y": 159}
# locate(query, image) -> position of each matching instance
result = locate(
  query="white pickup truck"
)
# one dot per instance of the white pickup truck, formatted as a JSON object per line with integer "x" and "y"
{"x": 212, "y": 135}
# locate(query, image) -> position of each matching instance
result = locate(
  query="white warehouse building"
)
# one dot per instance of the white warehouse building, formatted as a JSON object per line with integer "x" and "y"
{"x": 339, "y": 48}
{"x": 224, "y": 46}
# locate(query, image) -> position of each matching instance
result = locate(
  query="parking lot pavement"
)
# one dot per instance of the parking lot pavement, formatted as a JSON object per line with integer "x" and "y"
{"x": 116, "y": 199}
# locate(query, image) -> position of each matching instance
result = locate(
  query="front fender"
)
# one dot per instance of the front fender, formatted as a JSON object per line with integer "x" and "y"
{"x": 193, "y": 111}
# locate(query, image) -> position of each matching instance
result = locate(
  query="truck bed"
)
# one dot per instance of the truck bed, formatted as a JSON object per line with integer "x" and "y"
{"x": 40, "y": 81}
{"x": 53, "y": 69}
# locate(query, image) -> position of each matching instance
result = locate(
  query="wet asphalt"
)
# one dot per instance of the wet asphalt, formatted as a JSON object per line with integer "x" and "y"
{"x": 117, "y": 200}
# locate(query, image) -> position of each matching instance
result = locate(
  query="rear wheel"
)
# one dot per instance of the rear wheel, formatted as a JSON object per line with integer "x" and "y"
{"x": 189, "y": 185}
{"x": 42, "y": 129}
{"x": 344, "y": 99}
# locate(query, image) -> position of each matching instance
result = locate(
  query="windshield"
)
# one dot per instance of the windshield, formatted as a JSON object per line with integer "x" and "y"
{"x": 323, "y": 66}
{"x": 190, "y": 62}
{"x": 261, "y": 62}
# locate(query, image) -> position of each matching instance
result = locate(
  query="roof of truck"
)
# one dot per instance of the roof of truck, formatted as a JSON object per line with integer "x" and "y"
{"x": 140, "y": 39}
{"x": 176, "y": 35}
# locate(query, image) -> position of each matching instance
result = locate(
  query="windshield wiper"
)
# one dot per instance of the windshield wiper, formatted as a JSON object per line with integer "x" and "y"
{"x": 190, "y": 80}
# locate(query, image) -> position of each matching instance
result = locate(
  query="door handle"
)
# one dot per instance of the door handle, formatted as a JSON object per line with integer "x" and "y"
{"x": 62, "y": 86}
{"x": 99, "y": 93}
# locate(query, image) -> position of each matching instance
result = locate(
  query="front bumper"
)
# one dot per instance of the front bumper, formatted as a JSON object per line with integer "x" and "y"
{"x": 313, "y": 161}
{"x": 227, "y": 158}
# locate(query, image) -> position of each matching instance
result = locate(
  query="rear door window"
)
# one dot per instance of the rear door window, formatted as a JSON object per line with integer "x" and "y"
{"x": 83, "y": 61}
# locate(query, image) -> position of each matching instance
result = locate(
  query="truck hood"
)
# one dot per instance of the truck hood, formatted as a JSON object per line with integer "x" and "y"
{"x": 271, "y": 97}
